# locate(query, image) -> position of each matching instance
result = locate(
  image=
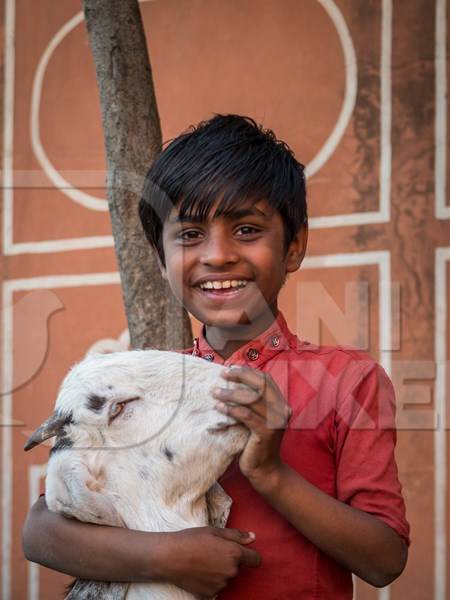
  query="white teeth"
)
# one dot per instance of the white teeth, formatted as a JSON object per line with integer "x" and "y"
{"x": 218, "y": 285}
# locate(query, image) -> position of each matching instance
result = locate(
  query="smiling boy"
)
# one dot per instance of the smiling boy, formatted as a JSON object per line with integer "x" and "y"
{"x": 224, "y": 206}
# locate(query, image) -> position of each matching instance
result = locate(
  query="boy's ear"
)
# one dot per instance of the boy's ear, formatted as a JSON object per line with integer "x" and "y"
{"x": 297, "y": 249}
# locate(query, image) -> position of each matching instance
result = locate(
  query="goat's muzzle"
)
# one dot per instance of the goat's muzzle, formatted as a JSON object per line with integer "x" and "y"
{"x": 49, "y": 428}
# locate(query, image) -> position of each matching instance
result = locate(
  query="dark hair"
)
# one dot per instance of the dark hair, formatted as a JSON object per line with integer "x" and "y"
{"x": 229, "y": 158}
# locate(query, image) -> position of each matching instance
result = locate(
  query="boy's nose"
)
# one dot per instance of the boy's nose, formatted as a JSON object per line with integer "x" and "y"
{"x": 218, "y": 251}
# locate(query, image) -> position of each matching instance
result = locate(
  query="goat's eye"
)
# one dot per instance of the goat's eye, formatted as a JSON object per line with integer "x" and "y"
{"x": 115, "y": 410}
{"x": 117, "y": 407}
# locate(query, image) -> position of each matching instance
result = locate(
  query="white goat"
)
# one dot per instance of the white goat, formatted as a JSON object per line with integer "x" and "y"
{"x": 140, "y": 445}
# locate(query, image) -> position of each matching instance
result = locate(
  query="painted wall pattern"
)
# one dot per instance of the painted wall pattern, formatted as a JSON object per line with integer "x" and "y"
{"x": 358, "y": 89}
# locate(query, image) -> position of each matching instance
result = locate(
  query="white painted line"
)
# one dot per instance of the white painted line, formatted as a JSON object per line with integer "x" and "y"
{"x": 385, "y": 312}
{"x": 359, "y": 218}
{"x": 386, "y": 110}
{"x": 7, "y": 458}
{"x": 344, "y": 260}
{"x": 382, "y": 215}
{"x": 60, "y": 281}
{"x": 384, "y": 593}
{"x": 9, "y": 287}
{"x": 382, "y": 259}
{"x": 440, "y": 443}
{"x": 78, "y": 196}
{"x": 440, "y": 124}
{"x": 9, "y": 247}
{"x": 35, "y": 474}
{"x": 351, "y": 87}
{"x": 8, "y": 121}
{"x": 72, "y": 192}
{"x": 8, "y": 128}
{"x": 65, "y": 245}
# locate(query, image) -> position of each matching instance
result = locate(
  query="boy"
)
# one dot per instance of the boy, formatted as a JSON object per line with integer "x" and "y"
{"x": 224, "y": 206}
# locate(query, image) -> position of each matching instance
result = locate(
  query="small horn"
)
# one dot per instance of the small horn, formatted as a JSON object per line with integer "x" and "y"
{"x": 49, "y": 428}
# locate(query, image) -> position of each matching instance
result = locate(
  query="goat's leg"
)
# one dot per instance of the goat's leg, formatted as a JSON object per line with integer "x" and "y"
{"x": 81, "y": 589}
{"x": 74, "y": 488}
{"x": 218, "y": 504}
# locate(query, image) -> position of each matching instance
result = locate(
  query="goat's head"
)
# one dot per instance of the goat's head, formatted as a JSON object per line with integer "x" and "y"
{"x": 144, "y": 398}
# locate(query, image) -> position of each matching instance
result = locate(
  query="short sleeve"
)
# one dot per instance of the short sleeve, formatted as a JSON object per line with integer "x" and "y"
{"x": 367, "y": 476}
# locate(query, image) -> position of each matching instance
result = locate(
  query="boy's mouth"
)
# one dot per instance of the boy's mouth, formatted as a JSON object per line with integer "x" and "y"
{"x": 226, "y": 288}
{"x": 223, "y": 285}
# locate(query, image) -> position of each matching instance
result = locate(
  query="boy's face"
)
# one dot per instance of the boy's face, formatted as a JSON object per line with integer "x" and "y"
{"x": 228, "y": 270}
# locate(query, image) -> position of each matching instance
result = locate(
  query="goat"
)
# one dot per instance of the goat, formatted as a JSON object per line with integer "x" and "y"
{"x": 140, "y": 445}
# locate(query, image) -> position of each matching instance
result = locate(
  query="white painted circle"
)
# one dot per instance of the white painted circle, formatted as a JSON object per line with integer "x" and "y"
{"x": 78, "y": 196}
{"x": 99, "y": 204}
{"x": 351, "y": 87}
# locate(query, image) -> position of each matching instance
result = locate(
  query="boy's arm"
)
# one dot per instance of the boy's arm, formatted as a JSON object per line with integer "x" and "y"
{"x": 89, "y": 551}
{"x": 356, "y": 539}
{"x": 206, "y": 558}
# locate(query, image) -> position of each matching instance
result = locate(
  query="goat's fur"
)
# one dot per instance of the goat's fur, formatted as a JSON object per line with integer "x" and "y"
{"x": 152, "y": 467}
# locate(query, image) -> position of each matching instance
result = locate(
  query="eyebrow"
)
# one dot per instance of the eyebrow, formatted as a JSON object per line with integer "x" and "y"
{"x": 238, "y": 213}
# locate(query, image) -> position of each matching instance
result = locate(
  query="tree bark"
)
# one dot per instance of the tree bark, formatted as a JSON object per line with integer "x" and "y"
{"x": 132, "y": 140}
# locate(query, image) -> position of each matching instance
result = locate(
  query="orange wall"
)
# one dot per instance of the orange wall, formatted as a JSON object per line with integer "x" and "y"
{"x": 351, "y": 86}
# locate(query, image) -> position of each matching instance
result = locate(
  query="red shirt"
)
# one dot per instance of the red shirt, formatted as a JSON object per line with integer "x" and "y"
{"x": 341, "y": 438}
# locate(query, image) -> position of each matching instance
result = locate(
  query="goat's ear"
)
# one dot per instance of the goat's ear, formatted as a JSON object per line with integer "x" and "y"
{"x": 49, "y": 428}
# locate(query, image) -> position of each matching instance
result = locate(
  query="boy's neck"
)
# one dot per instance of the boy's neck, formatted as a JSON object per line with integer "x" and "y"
{"x": 226, "y": 340}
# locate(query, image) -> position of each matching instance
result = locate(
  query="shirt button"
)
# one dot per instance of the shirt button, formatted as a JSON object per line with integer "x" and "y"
{"x": 252, "y": 354}
{"x": 275, "y": 341}
{"x": 209, "y": 357}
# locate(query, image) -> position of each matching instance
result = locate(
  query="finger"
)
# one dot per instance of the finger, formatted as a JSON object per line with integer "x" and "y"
{"x": 236, "y": 535}
{"x": 242, "y": 395}
{"x": 258, "y": 380}
{"x": 245, "y": 415}
{"x": 258, "y": 416}
{"x": 275, "y": 406}
{"x": 250, "y": 558}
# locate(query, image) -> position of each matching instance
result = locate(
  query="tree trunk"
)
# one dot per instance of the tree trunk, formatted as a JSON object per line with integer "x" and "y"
{"x": 132, "y": 140}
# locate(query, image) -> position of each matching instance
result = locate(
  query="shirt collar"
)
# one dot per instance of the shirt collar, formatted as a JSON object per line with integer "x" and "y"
{"x": 270, "y": 342}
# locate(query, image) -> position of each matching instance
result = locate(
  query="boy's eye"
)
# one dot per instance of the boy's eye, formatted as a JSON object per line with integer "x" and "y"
{"x": 247, "y": 230}
{"x": 189, "y": 235}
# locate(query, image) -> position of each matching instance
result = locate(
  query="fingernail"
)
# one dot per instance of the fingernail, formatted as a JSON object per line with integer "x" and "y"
{"x": 251, "y": 535}
{"x": 221, "y": 406}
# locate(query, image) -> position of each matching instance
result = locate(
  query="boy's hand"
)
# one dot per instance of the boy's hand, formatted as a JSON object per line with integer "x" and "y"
{"x": 204, "y": 559}
{"x": 259, "y": 404}
{"x": 200, "y": 560}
